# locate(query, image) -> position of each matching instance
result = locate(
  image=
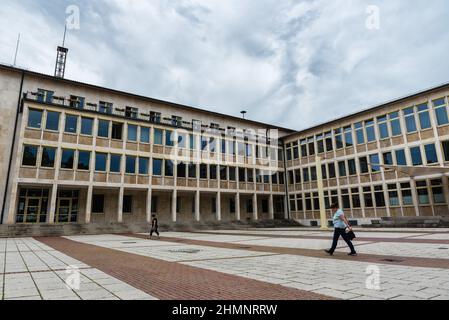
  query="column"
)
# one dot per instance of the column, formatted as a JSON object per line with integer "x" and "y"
{"x": 13, "y": 204}
{"x": 173, "y": 205}
{"x": 286, "y": 208}
{"x": 271, "y": 207}
{"x": 237, "y": 206}
{"x": 197, "y": 206}
{"x": 88, "y": 204}
{"x": 319, "y": 175}
{"x": 149, "y": 196}
{"x": 446, "y": 187}
{"x": 52, "y": 212}
{"x": 414, "y": 195}
{"x": 120, "y": 205}
{"x": 218, "y": 206}
{"x": 255, "y": 213}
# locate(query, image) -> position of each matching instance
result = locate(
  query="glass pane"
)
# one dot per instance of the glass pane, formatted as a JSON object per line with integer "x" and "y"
{"x": 100, "y": 161}
{"x": 431, "y": 154}
{"x": 103, "y": 128}
{"x": 71, "y": 123}
{"x": 115, "y": 163}
{"x": 416, "y": 156}
{"x": 130, "y": 164}
{"x": 67, "y": 159}
{"x": 132, "y": 133}
{"x": 52, "y": 121}
{"x": 158, "y": 136}
{"x": 48, "y": 157}
{"x": 29, "y": 156}
{"x": 35, "y": 119}
{"x": 143, "y": 165}
{"x": 86, "y": 126}
{"x": 144, "y": 135}
{"x": 83, "y": 160}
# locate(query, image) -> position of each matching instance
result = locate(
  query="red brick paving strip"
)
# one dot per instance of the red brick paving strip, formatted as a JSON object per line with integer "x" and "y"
{"x": 174, "y": 281}
{"x": 371, "y": 258}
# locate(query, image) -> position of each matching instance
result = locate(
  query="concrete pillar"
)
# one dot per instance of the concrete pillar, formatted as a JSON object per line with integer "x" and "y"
{"x": 218, "y": 206}
{"x": 255, "y": 211}
{"x": 271, "y": 207}
{"x": 88, "y": 204}
{"x": 52, "y": 211}
{"x": 319, "y": 175}
{"x": 149, "y": 196}
{"x": 237, "y": 206}
{"x": 286, "y": 208}
{"x": 13, "y": 204}
{"x": 197, "y": 206}
{"x": 120, "y": 205}
{"x": 446, "y": 188}
{"x": 173, "y": 205}
{"x": 414, "y": 195}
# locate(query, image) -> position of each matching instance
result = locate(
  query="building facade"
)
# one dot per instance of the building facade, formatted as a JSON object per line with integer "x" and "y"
{"x": 77, "y": 153}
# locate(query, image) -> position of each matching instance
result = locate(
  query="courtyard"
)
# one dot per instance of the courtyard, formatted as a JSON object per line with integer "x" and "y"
{"x": 249, "y": 264}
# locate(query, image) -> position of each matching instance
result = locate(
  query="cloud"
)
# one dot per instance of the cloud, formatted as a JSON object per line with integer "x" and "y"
{"x": 291, "y": 63}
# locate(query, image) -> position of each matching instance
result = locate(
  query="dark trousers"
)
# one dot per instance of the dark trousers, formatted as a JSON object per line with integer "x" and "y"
{"x": 341, "y": 232}
{"x": 154, "y": 229}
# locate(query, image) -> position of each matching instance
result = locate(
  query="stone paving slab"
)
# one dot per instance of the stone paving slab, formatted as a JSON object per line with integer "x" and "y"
{"x": 170, "y": 280}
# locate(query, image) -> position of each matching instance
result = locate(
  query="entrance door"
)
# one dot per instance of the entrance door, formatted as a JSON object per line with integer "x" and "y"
{"x": 63, "y": 210}
{"x": 32, "y": 210}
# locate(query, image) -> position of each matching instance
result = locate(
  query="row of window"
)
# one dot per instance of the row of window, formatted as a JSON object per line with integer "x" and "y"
{"x": 114, "y": 130}
{"x": 415, "y": 118}
{"x": 161, "y": 167}
{"x": 349, "y": 167}
{"x": 427, "y": 192}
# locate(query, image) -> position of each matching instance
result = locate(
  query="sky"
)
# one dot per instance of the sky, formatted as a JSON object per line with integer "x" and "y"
{"x": 290, "y": 63}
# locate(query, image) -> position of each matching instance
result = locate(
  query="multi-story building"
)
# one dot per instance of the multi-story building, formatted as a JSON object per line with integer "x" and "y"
{"x": 77, "y": 153}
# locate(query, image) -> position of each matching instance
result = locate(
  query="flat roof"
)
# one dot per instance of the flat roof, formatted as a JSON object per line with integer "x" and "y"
{"x": 372, "y": 108}
{"x": 172, "y": 104}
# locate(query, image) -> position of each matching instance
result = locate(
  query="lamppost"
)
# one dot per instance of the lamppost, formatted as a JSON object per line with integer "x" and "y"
{"x": 243, "y": 113}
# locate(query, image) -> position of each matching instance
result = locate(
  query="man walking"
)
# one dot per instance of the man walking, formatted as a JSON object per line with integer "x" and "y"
{"x": 154, "y": 227}
{"x": 340, "y": 225}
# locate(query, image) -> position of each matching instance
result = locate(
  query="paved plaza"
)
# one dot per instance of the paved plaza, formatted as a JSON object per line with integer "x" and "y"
{"x": 268, "y": 264}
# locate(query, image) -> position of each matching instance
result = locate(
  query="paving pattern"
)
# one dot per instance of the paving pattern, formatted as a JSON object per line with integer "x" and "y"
{"x": 267, "y": 264}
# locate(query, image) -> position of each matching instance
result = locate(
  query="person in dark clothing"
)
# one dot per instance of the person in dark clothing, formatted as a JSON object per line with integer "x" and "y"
{"x": 154, "y": 227}
{"x": 340, "y": 225}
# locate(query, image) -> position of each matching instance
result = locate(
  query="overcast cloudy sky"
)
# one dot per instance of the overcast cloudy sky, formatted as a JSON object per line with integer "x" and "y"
{"x": 291, "y": 63}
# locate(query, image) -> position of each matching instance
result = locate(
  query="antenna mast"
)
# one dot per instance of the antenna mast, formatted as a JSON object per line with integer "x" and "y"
{"x": 17, "y": 50}
{"x": 61, "y": 57}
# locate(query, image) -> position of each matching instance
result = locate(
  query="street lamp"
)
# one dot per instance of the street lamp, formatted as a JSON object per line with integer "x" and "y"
{"x": 243, "y": 113}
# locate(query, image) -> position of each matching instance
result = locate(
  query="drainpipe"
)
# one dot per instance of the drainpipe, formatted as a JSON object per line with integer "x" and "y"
{"x": 287, "y": 202}
{"x": 12, "y": 146}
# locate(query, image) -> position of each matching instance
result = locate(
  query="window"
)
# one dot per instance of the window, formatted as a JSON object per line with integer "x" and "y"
{"x": 295, "y": 151}
{"x": 143, "y": 165}
{"x": 400, "y": 158}
{"x": 182, "y": 140}
{"x": 223, "y": 146}
{"x": 388, "y": 158}
{"x": 176, "y": 121}
{"x": 423, "y": 192}
{"x": 157, "y": 167}
{"x": 363, "y": 165}
{"x": 331, "y": 168}
{"x": 158, "y": 134}
{"x": 297, "y": 174}
{"x": 98, "y": 203}
{"x": 103, "y": 128}
{"x": 431, "y": 153}
{"x": 45, "y": 96}
{"x": 290, "y": 177}
{"x": 181, "y": 170}
{"x": 105, "y": 107}
{"x": 144, "y": 135}
{"x": 131, "y": 112}
{"x": 305, "y": 175}
{"x": 169, "y": 135}
{"x": 383, "y": 127}
{"x": 338, "y": 139}
{"x": 368, "y": 197}
{"x": 424, "y": 117}
{"x": 313, "y": 173}
{"x": 115, "y": 165}
{"x": 437, "y": 191}
{"x": 83, "y": 160}
{"x": 319, "y": 143}
{"x": 35, "y": 118}
{"x": 352, "y": 167}
{"x": 406, "y": 191}
{"x": 355, "y": 195}
{"x": 29, "y": 156}
{"x": 127, "y": 204}
{"x": 395, "y": 124}
{"x": 410, "y": 121}
{"x": 212, "y": 144}
{"x": 232, "y": 174}
{"x": 192, "y": 170}
{"x": 223, "y": 173}
{"x": 370, "y": 132}
{"x": 100, "y": 162}
{"x": 274, "y": 177}
{"x": 203, "y": 171}
{"x": 117, "y": 131}
{"x": 379, "y": 196}
{"x": 67, "y": 159}
{"x": 311, "y": 146}
{"x": 168, "y": 168}
{"x": 393, "y": 195}
{"x": 446, "y": 150}
{"x": 292, "y": 203}
{"x": 192, "y": 142}
{"x": 71, "y": 123}
{"x": 374, "y": 162}
{"x": 77, "y": 102}
{"x": 86, "y": 126}
{"x": 299, "y": 203}
{"x": 342, "y": 169}
{"x": 132, "y": 132}
{"x": 346, "y": 199}
{"x": 308, "y": 201}
{"x": 359, "y": 133}
{"x": 441, "y": 111}
{"x": 213, "y": 172}
{"x": 328, "y": 138}
{"x": 416, "y": 156}
{"x": 155, "y": 117}
{"x": 304, "y": 152}
{"x": 130, "y": 164}
{"x": 52, "y": 121}
{"x": 48, "y": 157}
{"x": 348, "y": 137}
